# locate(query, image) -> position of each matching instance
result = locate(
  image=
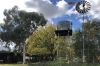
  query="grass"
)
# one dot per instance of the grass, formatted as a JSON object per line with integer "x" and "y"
{"x": 12, "y": 65}
{"x": 54, "y": 63}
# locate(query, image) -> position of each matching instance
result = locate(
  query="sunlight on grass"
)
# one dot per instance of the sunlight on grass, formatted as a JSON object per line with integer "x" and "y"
{"x": 13, "y": 65}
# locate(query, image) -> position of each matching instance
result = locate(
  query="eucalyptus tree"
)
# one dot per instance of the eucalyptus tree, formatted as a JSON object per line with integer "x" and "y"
{"x": 19, "y": 25}
{"x": 91, "y": 41}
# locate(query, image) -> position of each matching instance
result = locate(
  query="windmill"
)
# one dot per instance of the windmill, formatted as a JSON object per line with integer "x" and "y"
{"x": 82, "y": 7}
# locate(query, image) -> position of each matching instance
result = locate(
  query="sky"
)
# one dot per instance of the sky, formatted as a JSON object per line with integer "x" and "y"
{"x": 53, "y": 10}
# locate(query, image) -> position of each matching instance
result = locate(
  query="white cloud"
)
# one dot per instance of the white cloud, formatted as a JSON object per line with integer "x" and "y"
{"x": 72, "y": 11}
{"x": 7, "y": 4}
{"x": 73, "y": 29}
{"x": 47, "y": 8}
{"x": 49, "y": 22}
{"x": 83, "y": 21}
{"x": 42, "y": 6}
{"x": 62, "y": 8}
{"x": 95, "y": 8}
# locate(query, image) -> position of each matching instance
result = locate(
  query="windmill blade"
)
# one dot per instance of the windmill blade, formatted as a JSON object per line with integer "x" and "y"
{"x": 71, "y": 3}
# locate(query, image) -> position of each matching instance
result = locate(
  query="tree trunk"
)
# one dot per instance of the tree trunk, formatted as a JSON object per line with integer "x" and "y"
{"x": 24, "y": 54}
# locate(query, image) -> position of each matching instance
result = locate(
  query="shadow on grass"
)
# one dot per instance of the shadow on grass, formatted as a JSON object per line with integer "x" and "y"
{"x": 50, "y": 63}
{"x": 63, "y": 64}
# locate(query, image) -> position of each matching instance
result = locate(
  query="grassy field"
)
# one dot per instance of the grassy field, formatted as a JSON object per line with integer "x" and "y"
{"x": 54, "y": 63}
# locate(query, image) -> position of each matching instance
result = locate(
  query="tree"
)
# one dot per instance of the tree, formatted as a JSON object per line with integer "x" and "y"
{"x": 42, "y": 42}
{"x": 45, "y": 42}
{"x": 92, "y": 35}
{"x": 91, "y": 40}
{"x": 19, "y": 25}
{"x": 77, "y": 42}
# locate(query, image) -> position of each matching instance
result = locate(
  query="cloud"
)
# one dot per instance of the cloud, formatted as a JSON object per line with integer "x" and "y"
{"x": 94, "y": 12}
{"x": 95, "y": 9}
{"x": 7, "y": 4}
{"x": 47, "y": 8}
{"x": 72, "y": 11}
{"x": 83, "y": 21}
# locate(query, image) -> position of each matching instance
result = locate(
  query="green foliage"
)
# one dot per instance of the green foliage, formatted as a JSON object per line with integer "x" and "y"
{"x": 19, "y": 25}
{"x": 77, "y": 43}
{"x": 42, "y": 41}
{"x": 53, "y": 63}
{"x": 91, "y": 41}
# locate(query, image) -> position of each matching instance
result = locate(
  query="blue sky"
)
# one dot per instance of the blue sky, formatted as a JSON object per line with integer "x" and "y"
{"x": 69, "y": 17}
{"x": 61, "y": 10}
{"x": 72, "y": 18}
{"x": 54, "y": 10}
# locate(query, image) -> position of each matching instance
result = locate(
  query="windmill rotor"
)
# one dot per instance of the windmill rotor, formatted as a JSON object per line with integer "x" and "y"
{"x": 83, "y": 7}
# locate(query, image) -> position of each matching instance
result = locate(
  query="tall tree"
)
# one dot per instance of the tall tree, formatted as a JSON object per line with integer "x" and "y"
{"x": 91, "y": 40}
{"x": 19, "y": 25}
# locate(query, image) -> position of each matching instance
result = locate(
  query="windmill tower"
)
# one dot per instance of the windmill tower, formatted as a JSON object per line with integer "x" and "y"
{"x": 82, "y": 7}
